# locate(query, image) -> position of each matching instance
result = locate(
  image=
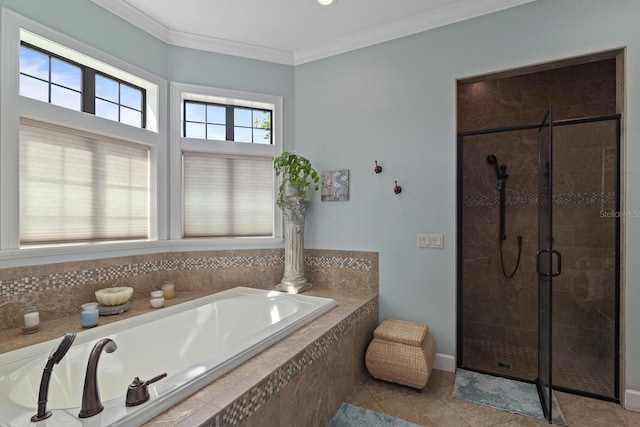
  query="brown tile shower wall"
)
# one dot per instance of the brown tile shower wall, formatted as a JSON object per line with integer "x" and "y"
{"x": 583, "y": 90}
{"x": 497, "y": 308}
{"x": 58, "y": 290}
{"x": 500, "y": 309}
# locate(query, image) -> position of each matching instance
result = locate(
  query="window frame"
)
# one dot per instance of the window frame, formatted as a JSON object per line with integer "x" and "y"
{"x": 229, "y": 124}
{"x": 51, "y": 55}
{"x": 179, "y": 144}
{"x": 16, "y": 28}
{"x": 87, "y": 92}
{"x": 94, "y": 97}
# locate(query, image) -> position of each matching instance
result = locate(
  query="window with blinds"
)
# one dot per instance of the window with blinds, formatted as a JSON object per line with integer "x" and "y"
{"x": 227, "y": 196}
{"x": 222, "y": 157}
{"x": 80, "y": 187}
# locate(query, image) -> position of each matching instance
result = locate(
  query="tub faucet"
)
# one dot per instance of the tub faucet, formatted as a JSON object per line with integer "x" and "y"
{"x": 91, "y": 404}
{"x": 54, "y": 358}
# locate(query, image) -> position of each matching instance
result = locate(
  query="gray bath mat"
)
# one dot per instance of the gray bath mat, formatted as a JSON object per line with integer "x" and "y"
{"x": 354, "y": 416}
{"x": 513, "y": 396}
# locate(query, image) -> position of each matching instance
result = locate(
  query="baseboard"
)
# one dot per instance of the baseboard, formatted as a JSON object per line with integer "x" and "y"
{"x": 632, "y": 400}
{"x": 444, "y": 362}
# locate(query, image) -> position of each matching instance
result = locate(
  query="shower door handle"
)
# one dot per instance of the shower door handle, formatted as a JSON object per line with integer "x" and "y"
{"x": 551, "y": 273}
{"x": 541, "y": 252}
{"x": 557, "y": 273}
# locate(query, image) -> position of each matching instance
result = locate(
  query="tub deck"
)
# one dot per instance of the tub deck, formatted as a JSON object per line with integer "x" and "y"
{"x": 239, "y": 393}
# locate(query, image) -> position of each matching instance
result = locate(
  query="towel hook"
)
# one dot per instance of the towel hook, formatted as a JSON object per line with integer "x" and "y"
{"x": 397, "y": 189}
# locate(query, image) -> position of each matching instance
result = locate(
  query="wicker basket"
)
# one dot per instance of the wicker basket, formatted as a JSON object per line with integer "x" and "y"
{"x": 401, "y": 352}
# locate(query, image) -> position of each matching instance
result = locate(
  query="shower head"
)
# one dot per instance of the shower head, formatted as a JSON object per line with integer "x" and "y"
{"x": 56, "y": 356}
{"x": 494, "y": 161}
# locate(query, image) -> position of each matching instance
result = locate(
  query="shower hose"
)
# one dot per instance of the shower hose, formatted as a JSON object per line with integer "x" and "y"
{"x": 507, "y": 275}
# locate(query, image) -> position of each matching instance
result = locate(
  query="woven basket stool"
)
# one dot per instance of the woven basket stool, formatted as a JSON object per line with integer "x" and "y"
{"x": 401, "y": 352}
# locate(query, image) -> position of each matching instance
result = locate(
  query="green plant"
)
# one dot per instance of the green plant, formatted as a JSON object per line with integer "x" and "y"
{"x": 296, "y": 172}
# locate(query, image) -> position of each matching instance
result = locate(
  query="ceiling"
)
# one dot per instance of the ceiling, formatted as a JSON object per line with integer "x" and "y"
{"x": 293, "y": 32}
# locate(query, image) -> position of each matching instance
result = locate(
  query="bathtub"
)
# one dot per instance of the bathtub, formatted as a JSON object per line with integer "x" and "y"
{"x": 194, "y": 343}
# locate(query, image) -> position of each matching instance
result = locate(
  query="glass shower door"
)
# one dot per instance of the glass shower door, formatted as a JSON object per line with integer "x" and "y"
{"x": 545, "y": 262}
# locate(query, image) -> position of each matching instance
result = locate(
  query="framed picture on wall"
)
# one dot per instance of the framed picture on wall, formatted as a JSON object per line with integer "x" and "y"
{"x": 335, "y": 185}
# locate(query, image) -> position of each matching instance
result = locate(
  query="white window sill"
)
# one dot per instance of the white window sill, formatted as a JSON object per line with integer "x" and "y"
{"x": 76, "y": 252}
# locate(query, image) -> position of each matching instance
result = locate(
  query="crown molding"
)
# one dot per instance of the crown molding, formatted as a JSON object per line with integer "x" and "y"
{"x": 447, "y": 15}
{"x": 228, "y": 47}
{"x": 177, "y": 38}
{"x": 457, "y": 12}
{"x": 132, "y": 15}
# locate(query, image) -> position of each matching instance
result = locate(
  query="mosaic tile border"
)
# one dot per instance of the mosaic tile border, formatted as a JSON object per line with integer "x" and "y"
{"x": 26, "y": 285}
{"x": 532, "y": 199}
{"x": 338, "y": 262}
{"x": 252, "y": 400}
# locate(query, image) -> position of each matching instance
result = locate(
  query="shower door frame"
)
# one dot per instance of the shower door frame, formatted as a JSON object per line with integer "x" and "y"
{"x": 617, "y": 227}
{"x": 545, "y": 266}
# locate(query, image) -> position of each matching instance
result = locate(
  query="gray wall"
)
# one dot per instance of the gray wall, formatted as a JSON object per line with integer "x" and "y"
{"x": 395, "y": 103}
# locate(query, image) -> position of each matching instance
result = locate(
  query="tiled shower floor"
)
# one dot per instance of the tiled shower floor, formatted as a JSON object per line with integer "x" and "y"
{"x": 570, "y": 372}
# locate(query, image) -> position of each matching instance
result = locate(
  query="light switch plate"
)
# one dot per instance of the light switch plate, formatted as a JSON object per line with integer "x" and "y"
{"x": 431, "y": 241}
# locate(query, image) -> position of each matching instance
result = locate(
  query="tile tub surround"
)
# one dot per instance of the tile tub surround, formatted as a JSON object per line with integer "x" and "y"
{"x": 299, "y": 381}
{"x": 286, "y": 384}
{"x": 332, "y": 346}
{"x": 58, "y": 290}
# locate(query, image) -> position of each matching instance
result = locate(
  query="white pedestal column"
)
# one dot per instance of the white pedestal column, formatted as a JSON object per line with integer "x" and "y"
{"x": 294, "y": 210}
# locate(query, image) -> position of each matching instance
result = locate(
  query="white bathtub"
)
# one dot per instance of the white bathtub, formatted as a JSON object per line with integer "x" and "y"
{"x": 194, "y": 343}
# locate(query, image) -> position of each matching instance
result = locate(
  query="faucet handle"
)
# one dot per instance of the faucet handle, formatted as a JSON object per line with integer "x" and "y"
{"x": 138, "y": 391}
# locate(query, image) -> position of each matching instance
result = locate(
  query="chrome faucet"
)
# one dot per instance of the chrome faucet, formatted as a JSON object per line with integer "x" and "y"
{"x": 91, "y": 404}
{"x": 54, "y": 358}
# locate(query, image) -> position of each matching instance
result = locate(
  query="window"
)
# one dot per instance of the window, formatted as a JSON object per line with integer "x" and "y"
{"x": 227, "y": 196}
{"x": 226, "y": 122}
{"x": 223, "y": 146}
{"x": 82, "y": 147}
{"x": 119, "y": 101}
{"x": 76, "y": 187}
{"x": 57, "y": 80}
{"x": 48, "y": 78}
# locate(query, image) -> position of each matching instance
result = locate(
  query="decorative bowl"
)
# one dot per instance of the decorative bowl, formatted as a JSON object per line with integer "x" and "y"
{"x": 114, "y": 296}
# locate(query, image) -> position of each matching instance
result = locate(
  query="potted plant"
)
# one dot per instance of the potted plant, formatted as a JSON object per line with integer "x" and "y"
{"x": 297, "y": 175}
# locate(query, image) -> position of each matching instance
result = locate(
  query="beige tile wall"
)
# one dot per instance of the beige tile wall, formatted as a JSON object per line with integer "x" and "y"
{"x": 58, "y": 290}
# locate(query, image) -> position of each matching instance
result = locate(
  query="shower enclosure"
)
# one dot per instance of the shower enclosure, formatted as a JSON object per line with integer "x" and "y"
{"x": 539, "y": 254}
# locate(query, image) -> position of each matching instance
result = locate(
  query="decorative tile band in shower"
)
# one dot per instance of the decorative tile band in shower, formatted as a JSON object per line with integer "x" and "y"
{"x": 25, "y": 285}
{"x": 248, "y": 403}
{"x": 532, "y": 199}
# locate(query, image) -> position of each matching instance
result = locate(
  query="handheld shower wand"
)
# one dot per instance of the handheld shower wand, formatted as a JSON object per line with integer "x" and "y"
{"x": 501, "y": 175}
{"x": 494, "y": 161}
{"x": 55, "y": 357}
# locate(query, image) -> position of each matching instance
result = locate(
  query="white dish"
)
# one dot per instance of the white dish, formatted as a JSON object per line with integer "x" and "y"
{"x": 114, "y": 296}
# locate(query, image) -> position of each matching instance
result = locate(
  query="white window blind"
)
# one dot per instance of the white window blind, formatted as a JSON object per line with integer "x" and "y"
{"x": 80, "y": 187}
{"x": 227, "y": 196}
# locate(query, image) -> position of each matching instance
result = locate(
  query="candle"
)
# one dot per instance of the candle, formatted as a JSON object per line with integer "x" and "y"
{"x": 31, "y": 320}
{"x": 157, "y": 299}
{"x": 168, "y": 289}
{"x": 90, "y": 314}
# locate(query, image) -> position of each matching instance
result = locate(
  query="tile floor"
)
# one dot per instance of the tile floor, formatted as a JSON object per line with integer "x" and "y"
{"x": 436, "y": 407}
{"x": 577, "y": 372}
